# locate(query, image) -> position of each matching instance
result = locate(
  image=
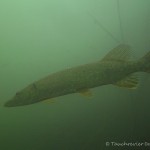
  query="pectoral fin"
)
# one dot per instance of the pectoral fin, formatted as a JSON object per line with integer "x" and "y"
{"x": 85, "y": 92}
{"x": 49, "y": 101}
{"x": 130, "y": 82}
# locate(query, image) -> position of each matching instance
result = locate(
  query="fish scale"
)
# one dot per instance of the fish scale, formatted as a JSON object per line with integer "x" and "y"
{"x": 115, "y": 68}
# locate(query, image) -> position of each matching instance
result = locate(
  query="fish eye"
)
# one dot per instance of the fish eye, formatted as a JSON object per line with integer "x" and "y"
{"x": 34, "y": 86}
{"x": 17, "y": 93}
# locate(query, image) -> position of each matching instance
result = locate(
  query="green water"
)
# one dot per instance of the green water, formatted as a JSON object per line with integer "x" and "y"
{"x": 39, "y": 37}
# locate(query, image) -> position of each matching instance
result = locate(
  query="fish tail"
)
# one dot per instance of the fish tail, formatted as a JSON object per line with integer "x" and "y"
{"x": 146, "y": 62}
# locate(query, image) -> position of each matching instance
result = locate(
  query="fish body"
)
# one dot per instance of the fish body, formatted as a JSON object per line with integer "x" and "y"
{"x": 114, "y": 68}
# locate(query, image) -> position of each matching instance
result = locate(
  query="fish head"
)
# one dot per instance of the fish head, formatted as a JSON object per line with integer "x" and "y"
{"x": 27, "y": 96}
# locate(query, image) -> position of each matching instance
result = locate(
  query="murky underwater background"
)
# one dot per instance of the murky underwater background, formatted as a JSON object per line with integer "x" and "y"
{"x": 39, "y": 37}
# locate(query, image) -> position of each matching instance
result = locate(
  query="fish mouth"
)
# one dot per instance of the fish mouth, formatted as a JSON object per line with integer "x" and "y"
{"x": 13, "y": 103}
{"x": 10, "y": 104}
{"x": 17, "y": 102}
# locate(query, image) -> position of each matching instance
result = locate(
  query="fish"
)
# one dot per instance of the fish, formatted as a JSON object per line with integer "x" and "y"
{"x": 115, "y": 68}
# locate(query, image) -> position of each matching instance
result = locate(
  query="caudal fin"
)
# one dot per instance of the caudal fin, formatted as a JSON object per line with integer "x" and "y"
{"x": 146, "y": 61}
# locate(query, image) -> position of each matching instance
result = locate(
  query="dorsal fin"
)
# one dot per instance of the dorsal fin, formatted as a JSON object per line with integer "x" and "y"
{"x": 119, "y": 53}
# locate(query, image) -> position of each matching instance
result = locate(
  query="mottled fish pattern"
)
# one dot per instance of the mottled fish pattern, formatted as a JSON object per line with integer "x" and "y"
{"x": 115, "y": 68}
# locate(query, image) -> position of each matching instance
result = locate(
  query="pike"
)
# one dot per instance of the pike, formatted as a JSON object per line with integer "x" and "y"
{"x": 115, "y": 68}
